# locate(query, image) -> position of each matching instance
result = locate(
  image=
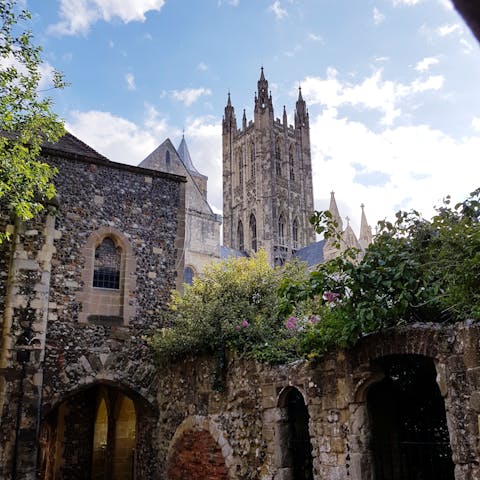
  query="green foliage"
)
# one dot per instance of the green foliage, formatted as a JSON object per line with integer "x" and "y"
{"x": 26, "y": 117}
{"x": 416, "y": 270}
{"x": 234, "y": 305}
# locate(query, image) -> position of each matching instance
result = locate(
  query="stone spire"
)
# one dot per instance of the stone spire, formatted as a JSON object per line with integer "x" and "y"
{"x": 285, "y": 122}
{"x": 262, "y": 99}
{"x": 229, "y": 120}
{"x": 301, "y": 113}
{"x": 333, "y": 209}
{"x": 244, "y": 120}
{"x": 365, "y": 230}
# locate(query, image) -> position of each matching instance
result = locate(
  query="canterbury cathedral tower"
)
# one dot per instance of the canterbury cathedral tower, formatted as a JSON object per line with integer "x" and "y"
{"x": 267, "y": 179}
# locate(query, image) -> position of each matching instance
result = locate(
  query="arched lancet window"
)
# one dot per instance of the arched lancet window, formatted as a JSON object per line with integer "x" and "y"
{"x": 240, "y": 167}
{"x": 291, "y": 163}
{"x": 253, "y": 165}
{"x": 167, "y": 158}
{"x": 253, "y": 232}
{"x": 278, "y": 158}
{"x": 281, "y": 230}
{"x": 295, "y": 233}
{"x": 123, "y": 461}
{"x": 188, "y": 275}
{"x": 240, "y": 242}
{"x": 106, "y": 270}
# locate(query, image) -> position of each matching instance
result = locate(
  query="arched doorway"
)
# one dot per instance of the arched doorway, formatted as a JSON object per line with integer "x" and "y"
{"x": 408, "y": 424}
{"x": 91, "y": 435}
{"x": 293, "y": 437}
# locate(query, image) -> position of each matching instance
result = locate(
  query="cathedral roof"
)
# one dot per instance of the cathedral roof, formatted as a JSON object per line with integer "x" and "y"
{"x": 184, "y": 155}
{"x": 311, "y": 254}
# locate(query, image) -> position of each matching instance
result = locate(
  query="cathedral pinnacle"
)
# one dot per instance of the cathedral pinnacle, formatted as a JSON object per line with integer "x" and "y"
{"x": 333, "y": 209}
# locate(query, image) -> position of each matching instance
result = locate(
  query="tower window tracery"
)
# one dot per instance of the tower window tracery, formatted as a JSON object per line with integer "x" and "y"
{"x": 253, "y": 232}
{"x": 240, "y": 168}
{"x": 281, "y": 230}
{"x": 240, "y": 240}
{"x": 278, "y": 158}
{"x": 291, "y": 163}
{"x": 253, "y": 166}
{"x": 295, "y": 234}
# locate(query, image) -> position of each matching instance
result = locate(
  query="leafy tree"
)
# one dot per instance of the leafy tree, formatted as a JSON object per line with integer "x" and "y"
{"x": 415, "y": 271}
{"x": 26, "y": 117}
{"x": 234, "y": 305}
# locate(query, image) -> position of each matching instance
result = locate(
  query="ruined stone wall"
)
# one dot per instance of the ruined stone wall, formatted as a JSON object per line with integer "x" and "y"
{"x": 246, "y": 420}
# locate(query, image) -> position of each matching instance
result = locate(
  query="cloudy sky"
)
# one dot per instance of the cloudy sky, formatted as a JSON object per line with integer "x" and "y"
{"x": 391, "y": 86}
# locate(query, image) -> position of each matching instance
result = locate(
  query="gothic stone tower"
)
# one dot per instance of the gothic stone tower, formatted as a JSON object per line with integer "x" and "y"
{"x": 267, "y": 179}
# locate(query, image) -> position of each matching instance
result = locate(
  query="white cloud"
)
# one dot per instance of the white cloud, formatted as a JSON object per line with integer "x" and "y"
{"x": 446, "y": 4}
{"x": 45, "y": 70}
{"x": 425, "y": 64}
{"x": 448, "y": 29}
{"x": 78, "y": 15}
{"x": 130, "y": 79}
{"x": 476, "y": 123}
{"x": 467, "y": 46}
{"x": 314, "y": 37}
{"x": 277, "y": 9}
{"x": 188, "y": 96}
{"x": 202, "y": 66}
{"x": 373, "y": 93}
{"x": 405, "y": 2}
{"x": 415, "y": 164}
{"x": 378, "y": 16}
{"x": 123, "y": 141}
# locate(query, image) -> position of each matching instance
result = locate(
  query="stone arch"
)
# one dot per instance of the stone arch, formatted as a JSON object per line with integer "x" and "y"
{"x": 407, "y": 420}
{"x": 189, "y": 274}
{"x": 293, "y": 448}
{"x": 199, "y": 450}
{"x": 252, "y": 226}
{"x": 106, "y": 305}
{"x": 77, "y": 425}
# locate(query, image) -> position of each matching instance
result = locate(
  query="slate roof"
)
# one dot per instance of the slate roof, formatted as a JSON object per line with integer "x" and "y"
{"x": 311, "y": 254}
{"x": 71, "y": 145}
{"x": 226, "y": 252}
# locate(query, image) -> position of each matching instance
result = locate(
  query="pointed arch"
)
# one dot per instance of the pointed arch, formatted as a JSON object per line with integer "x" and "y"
{"x": 291, "y": 162}
{"x": 240, "y": 238}
{"x": 240, "y": 167}
{"x": 253, "y": 232}
{"x": 253, "y": 163}
{"x": 295, "y": 233}
{"x": 278, "y": 157}
{"x": 281, "y": 230}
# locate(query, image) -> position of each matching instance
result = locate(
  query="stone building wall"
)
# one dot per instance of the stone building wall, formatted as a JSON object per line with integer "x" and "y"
{"x": 56, "y": 343}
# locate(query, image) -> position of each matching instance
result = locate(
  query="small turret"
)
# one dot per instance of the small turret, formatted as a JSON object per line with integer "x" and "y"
{"x": 365, "y": 230}
{"x": 285, "y": 122}
{"x": 333, "y": 209}
{"x": 301, "y": 112}
{"x": 229, "y": 120}
{"x": 262, "y": 99}
{"x": 244, "y": 120}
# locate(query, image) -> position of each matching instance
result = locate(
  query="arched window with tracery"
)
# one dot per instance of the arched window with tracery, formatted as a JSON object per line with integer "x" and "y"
{"x": 281, "y": 230}
{"x": 106, "y": 270}
{"x": 295, "y": 233}
{"x": 253, "y": 165}
{"x": 278, "y": 158}
{"x": 291, "y": 162}
{"x": 240, "y": 167}
{"x": 240, "y": 241}
{"x": 253, "y": 232}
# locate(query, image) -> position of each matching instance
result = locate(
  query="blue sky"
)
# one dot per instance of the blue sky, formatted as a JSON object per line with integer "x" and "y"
{"x": 391, "y": 86}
